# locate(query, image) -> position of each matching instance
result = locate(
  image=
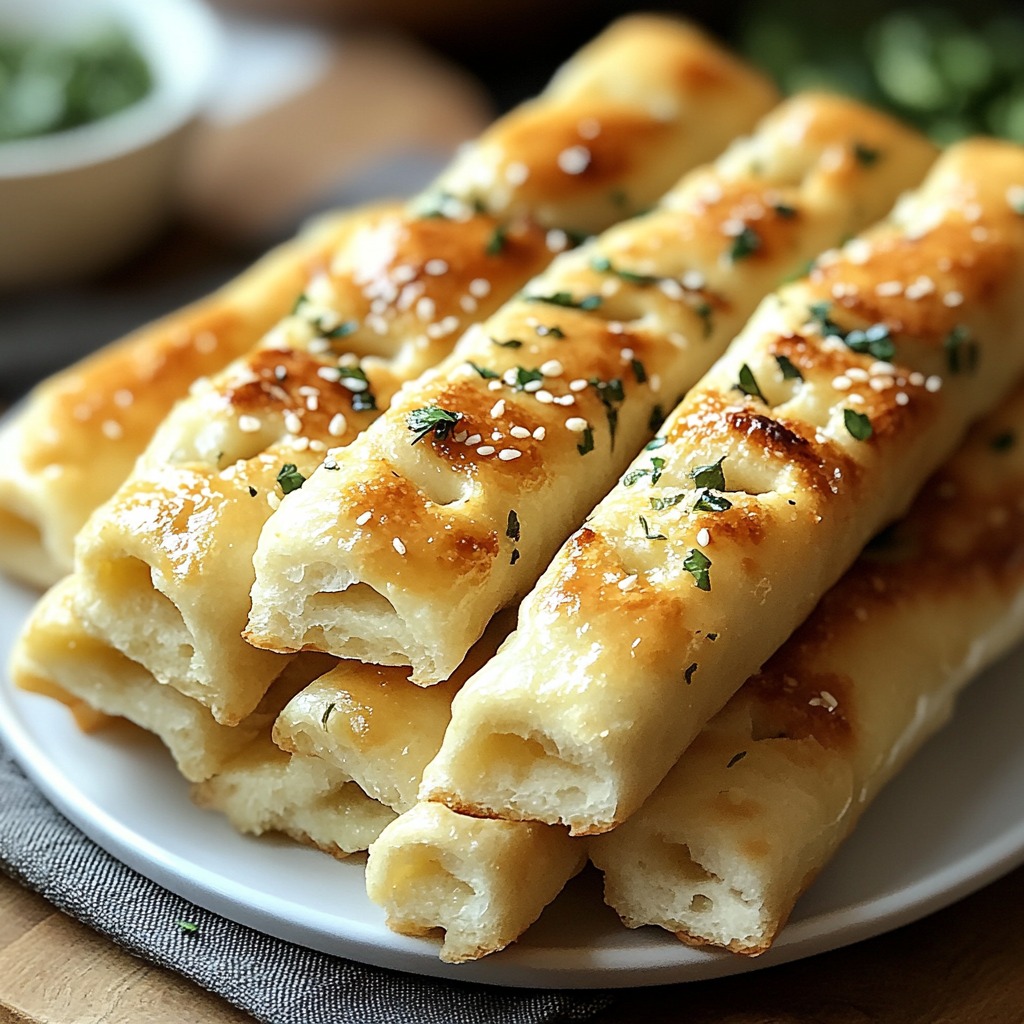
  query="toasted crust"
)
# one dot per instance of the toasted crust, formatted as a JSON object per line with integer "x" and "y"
{"x": 391, "y": 524}
{"x": 401, "y": 285}
{"x": 585, "y": 741}
{"x": 80, "y": 431}
{"x": 773, "y": 784}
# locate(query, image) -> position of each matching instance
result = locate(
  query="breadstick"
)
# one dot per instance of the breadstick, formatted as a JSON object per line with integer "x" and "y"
{"x": 400, "y": 549}
{"x": 815, "y": 429}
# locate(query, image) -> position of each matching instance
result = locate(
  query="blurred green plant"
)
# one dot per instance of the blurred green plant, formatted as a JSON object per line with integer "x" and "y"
{"x": 48, "y": 85}
{"x": 949, "y": 73}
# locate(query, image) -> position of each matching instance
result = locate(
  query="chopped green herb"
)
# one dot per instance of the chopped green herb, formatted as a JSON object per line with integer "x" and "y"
{"x": 745, "y": 244}
{"x": 655, "y": 443}
{"x": 708, "y": 502}
{"x": 874, "y": 340}
{"x": 736, "y": 758}
{"x": 188, "y": 927}
{"x": 711, "y": 476}
{"x": 656, "y": 419}
{"x": 690, "y": 670}
{"x": 343, "y": 330}
{"x": 654, "y": 472}
{"x": 431, "y": 419}
{"x": 706, "y": 314}
{"x": 496, "y": 243}
{"x": 524, "y": 377}
{"x": 328, "y": 711}
{"x": 748, "y": 384}
{"x": 354, "y": 379}
{"x": 364, "y": 401}
{"x": 552, "y": 331}
{"x": 603, "y": 265}
{"x": 1003, "y": 442}
{"x": 289, "y": 478}
{"x": 483, "y": 371}
{"x": 698, "y": 565}
{"x": 612, "y": 395}
{"x": 784, "y": 210}
{"x": 789, "y": 371}
{"x": 660, "y": 504}
{"x": 866, "y": 156}
{"x": 299, "y": 303}
{"x": 587, "y": 445}
{"x": 647, "y": 530}
{"x": 618, "y": 197}
{"x": 515, "y": 556}
{"x": 589, "y": 302}
{"x": 639, "y": 371}
{"x": 512, "y": 528}
{"x": 961, "y": 350}
{"x": 511, "y": 343}
{"x": 857, "y": 424}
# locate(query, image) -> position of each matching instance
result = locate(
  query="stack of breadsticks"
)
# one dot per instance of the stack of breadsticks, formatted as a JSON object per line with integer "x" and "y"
{"x": 660, "y": 424}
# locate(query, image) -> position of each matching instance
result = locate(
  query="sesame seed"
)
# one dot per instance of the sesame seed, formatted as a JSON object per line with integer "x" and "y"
{"x": 857, "y": 373}
{"x": 858, "y": 251}
{"x": 920, "y": 288}
{"x": 496, "y": 435}
{"x": 577, "y": 424}
{"x": 498, "y": 409}
{"x": 329, "y": 373}
{"x": 123, "y": 398}
{"x": 540, "y": 433}
{"x": 248, "y": 424}
{"x": 933, "y": 384}
{"x": 516, "y": 173}
{"x": 425, "y": 308}
{"x": 460, "y": 436}
{"x": 337, "y": 425}
{"x": 902, "y": 398}
{"x": 979, "y": 234}
{"x": 485, "y": 449}
{"x": 532, "y": 386}
{"x": 842, "y": 383}
{"x": 627, "y": 583}
{"x": 519, "y": 432}
{"x": 565, "y": 400}
{"x": 733, "y": 226}
{"x": 889, "y": 288}
{"x": 574, "y": 160}
{"x": 480, "y": 287}
{"x": 952, "y": 299}
{"x": 330, "y": 462}
{"x": 467, "y": 304}
{"x": 703, "y": 537}
{"x": 579, "y": 384}
{"x": 494, "y": 385}
{"x": 626, "y": 355}
{"x": 112, "y": 429}
{"x": 312, "y": 403}
{"x": 544, "y": 397}
{"x": 614, "y": 327}
{"x": 673, "y": 289}
{"x": 589, "y": 128}
{"x": 318, "y": 346}
{"x": 916, "y": 378}
{"x": 292, "y": 423}
{"x": 363, "y": 519}
{"x": 317, "y": 446}
{"x": 280, "y": 373}
{"x": 398, "y": 545}
{"x": 403, "y": 273}
{"x": 556, "y": 240}
{"x": 654, "y": 382}
{"x": 552, "y": 368}
{"x": 473, "y": 439}
{"x": 694, "y": 280}
{"x": 881, "y": 383}
{"x": 508, "y": 454}
{"x": 435, "y": 267}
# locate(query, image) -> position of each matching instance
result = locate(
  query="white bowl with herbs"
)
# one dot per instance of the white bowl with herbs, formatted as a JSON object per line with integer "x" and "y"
{"x": 96, "y": 99}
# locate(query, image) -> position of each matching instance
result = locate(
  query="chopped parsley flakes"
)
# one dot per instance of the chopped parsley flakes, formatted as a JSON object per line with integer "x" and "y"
{"x": 498, "y": 240}
{"x": 858, "y": 425}
{"x": 745, "y": 244}
{"x": 612, "y": 395}
{"x": 961, "y": 350}
{"x": 328, "y": 711}
{"x": 587, "y": 303}
{"x": 789, "y": 371}
{"x": 698, "y": 565}
{"x": 690, "y": 670}
{"x": 748, "y": 384}
{"x": 431, "y": 419}
{"x": 647, "y": 530}
{"x": 484, "y": 372}
{"x": 587, "y": 444}
{"x": 874, "y": 340}
{"x": 866, "y": 156}
{"x": 511, "y": 343}
{"x": 512, "y": 529}
{"x": 289, "y": 478}
{"x": 711, "y": 476}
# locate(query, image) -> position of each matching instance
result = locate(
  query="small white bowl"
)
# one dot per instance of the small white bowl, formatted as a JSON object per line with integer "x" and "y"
{"x": 75, "y": 202}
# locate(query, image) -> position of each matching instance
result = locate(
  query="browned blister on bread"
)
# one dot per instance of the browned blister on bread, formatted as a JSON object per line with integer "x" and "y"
{"x": 772, "y": 785}
{"x": 401, "y": 287}
{"x": 812, "y": 432}
{"x": 400, "y": 549}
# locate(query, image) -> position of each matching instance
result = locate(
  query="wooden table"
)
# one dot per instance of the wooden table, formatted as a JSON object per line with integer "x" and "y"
{"x": 963, "y": 965}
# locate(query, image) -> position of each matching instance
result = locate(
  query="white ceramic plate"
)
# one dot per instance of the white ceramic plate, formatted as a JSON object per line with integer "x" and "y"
{"x": 951, "y": 822}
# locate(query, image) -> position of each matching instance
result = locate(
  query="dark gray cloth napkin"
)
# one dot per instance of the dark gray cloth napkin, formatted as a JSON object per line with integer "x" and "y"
{"x": 275, "y": 981}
